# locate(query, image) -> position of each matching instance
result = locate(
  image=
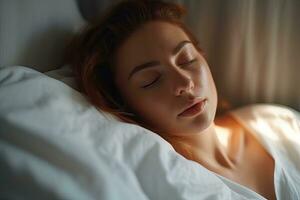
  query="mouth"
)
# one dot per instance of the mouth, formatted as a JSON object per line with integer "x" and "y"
{"x": 194, "y": 109}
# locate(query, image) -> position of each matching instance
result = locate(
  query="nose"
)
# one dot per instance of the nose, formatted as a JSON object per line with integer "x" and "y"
{"x": 183, "y": 83}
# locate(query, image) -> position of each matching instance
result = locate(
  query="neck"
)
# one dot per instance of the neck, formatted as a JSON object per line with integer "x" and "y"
{"x": 204, "y": 148}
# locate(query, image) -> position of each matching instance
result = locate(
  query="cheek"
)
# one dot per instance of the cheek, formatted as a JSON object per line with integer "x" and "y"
{"x": 204, "y": 77}
{"x": 150, "y": 104}
{"x": 210, "y": 87}
{"x": 210, "y": 81}
{"x": 152, "y": 109}
{"x": 199, "y": 75}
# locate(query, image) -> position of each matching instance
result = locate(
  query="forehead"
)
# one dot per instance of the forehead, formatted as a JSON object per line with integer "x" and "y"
{"x": 149, "y": 42}
{"x": 156, "y": 34}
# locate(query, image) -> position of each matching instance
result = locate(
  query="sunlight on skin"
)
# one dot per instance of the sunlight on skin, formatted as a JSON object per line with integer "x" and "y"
{"x": 223, "y": 135}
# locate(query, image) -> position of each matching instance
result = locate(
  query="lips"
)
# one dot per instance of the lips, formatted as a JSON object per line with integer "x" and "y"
{"x": 194, "y": 108}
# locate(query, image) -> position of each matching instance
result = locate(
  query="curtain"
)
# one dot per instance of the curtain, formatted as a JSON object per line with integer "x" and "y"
{"x": 252, "y": 47}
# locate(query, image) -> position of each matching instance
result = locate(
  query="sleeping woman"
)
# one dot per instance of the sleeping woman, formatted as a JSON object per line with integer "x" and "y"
{"x": 140, "y": 63}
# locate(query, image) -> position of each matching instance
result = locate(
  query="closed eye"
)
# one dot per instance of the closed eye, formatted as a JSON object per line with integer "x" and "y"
{"x": 152, "y": 82}
{"x": 156, "y": 79}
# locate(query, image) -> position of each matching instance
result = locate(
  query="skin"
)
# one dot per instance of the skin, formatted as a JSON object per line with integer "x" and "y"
{"x": 180, "y": 78}
{"x": 177, "y": 84}
{"x": 158, "y": 106}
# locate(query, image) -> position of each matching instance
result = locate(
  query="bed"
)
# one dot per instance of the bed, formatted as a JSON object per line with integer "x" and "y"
{"x": 55, "y": 145}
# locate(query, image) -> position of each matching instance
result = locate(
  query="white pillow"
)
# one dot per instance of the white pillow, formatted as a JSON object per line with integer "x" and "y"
{"x": 55, "y": 145}
{"x": 64, "y": 74}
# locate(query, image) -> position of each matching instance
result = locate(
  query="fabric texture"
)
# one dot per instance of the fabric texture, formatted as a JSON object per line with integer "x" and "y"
{"x": 65, "y": 75}
{"x": 277, "y": 128}
{"x": 55, "y": 145}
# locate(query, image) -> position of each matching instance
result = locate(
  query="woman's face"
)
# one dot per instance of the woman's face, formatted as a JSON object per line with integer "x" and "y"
{"x": 159, "y": 74}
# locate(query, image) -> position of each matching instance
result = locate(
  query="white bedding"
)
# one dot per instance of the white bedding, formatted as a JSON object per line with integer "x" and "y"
{"x": 277, "y": 128}
{"x": 55, "y": 145}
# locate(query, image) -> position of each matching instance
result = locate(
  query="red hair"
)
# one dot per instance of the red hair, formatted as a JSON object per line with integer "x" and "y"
{"x": 91, "y": 53}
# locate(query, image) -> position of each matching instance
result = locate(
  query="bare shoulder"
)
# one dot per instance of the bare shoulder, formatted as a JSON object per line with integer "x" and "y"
{"x": 228, "y": 121}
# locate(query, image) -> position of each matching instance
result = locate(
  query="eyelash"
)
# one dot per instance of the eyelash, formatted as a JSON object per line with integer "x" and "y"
{"x": 148, "y": 85}
{"x": 155, "y": 80}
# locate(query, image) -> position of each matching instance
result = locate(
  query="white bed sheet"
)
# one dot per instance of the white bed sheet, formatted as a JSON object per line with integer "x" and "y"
{"x": 55, "y": 145}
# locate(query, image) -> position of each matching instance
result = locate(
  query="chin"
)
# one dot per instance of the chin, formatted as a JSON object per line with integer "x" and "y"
{"x": 196, "y": 126}
{"x": 199, "y": 123}
{"x": 192, "y": 125}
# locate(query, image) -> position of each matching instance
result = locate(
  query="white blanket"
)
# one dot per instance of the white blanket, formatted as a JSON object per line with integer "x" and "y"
{"x": 55, "y": 145}
{"x": 277, "y": 128}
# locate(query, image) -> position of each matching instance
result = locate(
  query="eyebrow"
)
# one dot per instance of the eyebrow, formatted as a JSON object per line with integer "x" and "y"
{"x": 140, "y": 67}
